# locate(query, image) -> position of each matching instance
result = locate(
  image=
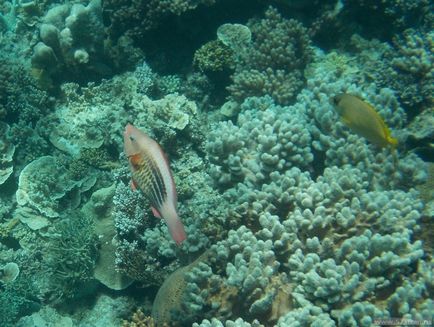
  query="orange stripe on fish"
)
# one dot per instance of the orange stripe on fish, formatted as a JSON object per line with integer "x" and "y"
{"x": 151, "y": 173}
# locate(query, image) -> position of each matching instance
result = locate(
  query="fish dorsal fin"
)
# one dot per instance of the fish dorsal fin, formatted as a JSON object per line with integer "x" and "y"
{"x": 359, "y": 97}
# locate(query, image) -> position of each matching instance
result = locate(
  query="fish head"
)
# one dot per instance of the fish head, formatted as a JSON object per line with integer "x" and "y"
{"x": 335, "y": 102}
{"x": 134, "y": 140}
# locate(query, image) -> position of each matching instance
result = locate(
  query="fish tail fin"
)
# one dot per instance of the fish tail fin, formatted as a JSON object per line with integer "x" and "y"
{"x": 394, "y": 152}
{"x": 392, "y": 141}
{"x": 176, "y": 228}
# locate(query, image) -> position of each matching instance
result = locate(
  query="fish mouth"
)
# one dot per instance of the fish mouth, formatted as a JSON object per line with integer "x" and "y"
{"x": 128, "y": 130}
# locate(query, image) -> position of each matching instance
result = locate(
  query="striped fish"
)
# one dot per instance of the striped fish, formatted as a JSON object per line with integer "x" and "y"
{"x": 151, "y": 173}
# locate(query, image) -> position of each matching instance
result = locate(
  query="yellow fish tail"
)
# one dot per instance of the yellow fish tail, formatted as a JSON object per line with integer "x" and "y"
{"x": 392, "y": 141}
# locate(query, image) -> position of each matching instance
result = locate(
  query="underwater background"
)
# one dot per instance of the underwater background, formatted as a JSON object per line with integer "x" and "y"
{"x": 292, "y": 218}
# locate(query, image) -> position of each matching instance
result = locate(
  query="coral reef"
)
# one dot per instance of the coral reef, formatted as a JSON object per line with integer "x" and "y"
{"x": 21, "y": 99}
{"x": 235, "y": 36}
{"x": 317, "y": 210}
{"x": 273, "y": 62}
{"x": 135, "y": 18}
{"x": 139, "y": 242}
{"x": 139, "y": 319}
{"x": 9, "y": 272}
{"x": 213, "y": 57}
{"x": 72, "y": 46}
{"x": 39, "y": 193}
{"x": 292, "y": 219}
{"x": 398, "y": 15}
{"x": 72, "y": 41}
{"x": 71, "y": 259}
{"x": 99, "y": 209}
{"x": 7, "y": 153}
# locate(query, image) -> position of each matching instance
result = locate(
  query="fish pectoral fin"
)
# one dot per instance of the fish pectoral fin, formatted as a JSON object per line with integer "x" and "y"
{"x": 346, "y": 121}
{"x": 155, "y": 212}
{"x": 135, "y": 159}
{"x": 133, "y": 185}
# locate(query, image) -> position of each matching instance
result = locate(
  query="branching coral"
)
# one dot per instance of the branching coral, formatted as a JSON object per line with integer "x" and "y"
{"x": 338, "y": 232}
{"x": 134, "y": 18}
{"x": 21, "y": 99}
{"x": 397, "y": 14}
{"x": 266, "y": 140}
{"x": 70, "y": 258}
{"x": 17, "y": 299}
{"x": 274, "y": 61}
{"x": 7, "y": 152}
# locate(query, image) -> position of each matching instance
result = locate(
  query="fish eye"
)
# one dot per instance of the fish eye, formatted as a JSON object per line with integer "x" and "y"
{"x": 132, "y": 138}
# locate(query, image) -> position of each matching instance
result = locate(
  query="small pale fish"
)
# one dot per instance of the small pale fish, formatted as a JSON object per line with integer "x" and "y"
{"x": 151, "y": 173}
{"x": 363, "y": 119}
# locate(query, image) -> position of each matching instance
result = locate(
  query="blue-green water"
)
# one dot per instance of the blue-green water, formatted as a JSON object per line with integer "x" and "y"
{"x": 299, "y": 210}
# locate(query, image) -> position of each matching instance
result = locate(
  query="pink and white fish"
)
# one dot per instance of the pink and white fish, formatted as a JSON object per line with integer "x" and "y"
{"x": 151, "y": 173}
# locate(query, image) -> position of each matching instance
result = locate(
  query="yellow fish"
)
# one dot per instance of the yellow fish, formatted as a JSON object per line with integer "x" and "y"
{"x": 363, "y": 119}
